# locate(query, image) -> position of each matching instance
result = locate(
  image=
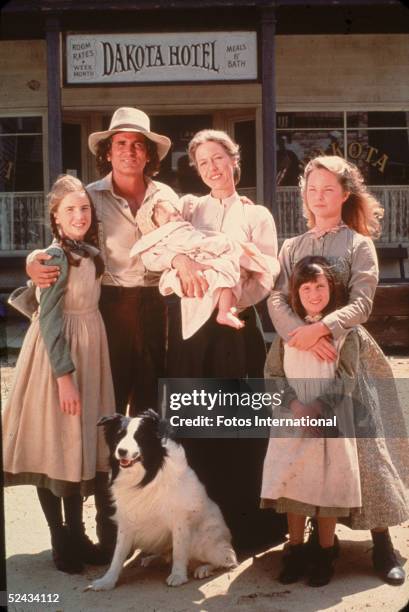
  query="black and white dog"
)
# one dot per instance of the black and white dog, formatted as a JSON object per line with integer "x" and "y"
{"x": 161, "y": 506}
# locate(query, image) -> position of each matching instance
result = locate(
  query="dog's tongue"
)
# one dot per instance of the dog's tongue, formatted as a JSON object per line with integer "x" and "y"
{"x": 125, "y": 463}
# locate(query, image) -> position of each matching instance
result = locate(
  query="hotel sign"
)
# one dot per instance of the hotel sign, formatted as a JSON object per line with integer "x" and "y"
{"x": 155, "y": 58}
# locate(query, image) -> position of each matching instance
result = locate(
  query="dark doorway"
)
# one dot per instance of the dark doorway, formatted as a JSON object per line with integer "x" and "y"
{"x": 71, "y": 149}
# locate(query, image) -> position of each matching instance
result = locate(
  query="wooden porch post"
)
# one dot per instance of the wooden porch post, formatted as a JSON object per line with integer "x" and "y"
{"x": 54, "y": 98}
{"x": 268, "y": 21}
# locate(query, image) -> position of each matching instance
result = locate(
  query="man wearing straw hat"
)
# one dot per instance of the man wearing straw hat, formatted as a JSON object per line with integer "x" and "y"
{"x": 128, "y": 155}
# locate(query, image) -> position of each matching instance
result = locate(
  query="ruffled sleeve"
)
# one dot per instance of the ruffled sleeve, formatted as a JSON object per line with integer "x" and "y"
{"x": 51, "y": 316}
{"x": 264, "y": 236}
{"x": 259, "y": 255}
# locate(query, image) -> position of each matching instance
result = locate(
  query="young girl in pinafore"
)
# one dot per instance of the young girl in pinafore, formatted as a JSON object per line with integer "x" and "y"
{"x": 308, "y": 473}
{"x": 305, "y": 474}
{"x": 62, "y": 383}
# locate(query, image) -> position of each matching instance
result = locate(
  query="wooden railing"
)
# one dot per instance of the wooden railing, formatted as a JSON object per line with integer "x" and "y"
{"x": 394, "y": 199}
{"x": 22, "y": 221}
{"x": 395, "y": 223}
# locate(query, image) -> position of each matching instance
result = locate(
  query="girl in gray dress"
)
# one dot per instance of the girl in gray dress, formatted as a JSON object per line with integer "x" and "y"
{"x": 344, "y": 218}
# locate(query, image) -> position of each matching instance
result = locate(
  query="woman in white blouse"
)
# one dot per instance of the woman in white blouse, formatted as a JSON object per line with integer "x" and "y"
{"x": 230, "y": 468}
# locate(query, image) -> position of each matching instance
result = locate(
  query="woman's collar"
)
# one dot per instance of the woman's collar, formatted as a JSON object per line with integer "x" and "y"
{"x": 225, "y": 201}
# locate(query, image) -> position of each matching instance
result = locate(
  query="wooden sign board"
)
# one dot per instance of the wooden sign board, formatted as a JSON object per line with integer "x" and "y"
{"x": 161, "y": 58}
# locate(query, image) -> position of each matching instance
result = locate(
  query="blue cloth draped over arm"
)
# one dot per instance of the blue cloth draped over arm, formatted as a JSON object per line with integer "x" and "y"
{"x": 51, "y": 316}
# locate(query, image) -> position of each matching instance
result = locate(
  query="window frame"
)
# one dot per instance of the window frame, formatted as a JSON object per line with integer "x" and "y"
{"x": 43, "y": 114}
{"x": 345, "y": 129}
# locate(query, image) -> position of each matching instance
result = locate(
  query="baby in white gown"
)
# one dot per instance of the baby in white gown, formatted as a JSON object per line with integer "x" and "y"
{"x": 228, "y": 264}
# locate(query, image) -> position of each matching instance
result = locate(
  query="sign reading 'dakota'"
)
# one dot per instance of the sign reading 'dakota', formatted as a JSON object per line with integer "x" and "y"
{"x": 144, "y": 58}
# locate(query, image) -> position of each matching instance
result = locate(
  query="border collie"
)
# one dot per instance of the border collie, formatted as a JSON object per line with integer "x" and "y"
{"x": 161, "y": 506}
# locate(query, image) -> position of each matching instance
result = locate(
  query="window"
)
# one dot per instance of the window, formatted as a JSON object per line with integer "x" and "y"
{"x": 378, "y": 142}
{"x": 21, "y": 184}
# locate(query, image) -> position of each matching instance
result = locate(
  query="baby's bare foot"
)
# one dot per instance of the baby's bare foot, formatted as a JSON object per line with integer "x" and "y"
{"x": 229, "y": 318}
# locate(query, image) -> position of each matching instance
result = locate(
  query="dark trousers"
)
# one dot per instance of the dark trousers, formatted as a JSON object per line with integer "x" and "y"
{"x": 135, "y": 323}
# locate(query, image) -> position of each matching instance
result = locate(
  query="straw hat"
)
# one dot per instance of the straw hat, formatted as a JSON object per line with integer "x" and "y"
{"x": 128, "y": 119}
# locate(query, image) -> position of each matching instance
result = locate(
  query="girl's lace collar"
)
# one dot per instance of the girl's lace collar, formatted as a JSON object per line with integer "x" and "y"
{"x": 313, "y": 318}
{"x": 332, "y": 230}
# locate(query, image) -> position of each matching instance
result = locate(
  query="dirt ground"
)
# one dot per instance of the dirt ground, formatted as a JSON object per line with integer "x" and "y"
{"x": 249, "y": 587}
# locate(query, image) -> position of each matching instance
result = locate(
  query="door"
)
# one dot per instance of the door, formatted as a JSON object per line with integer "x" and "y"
{"x": 175, "y": 169}
{"x": 243, "y": 130}
{"x": 75, "y": 131}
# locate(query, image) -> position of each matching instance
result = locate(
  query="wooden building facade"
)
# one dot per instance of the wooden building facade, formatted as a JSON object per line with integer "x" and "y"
{"x": 287, "y": 79}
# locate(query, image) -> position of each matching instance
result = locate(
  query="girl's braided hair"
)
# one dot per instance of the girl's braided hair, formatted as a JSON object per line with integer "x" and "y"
{"x": 64, "y": 185}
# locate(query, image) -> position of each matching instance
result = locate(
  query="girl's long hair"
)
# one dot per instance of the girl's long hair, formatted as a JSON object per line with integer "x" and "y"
{"x": 64, "y": 185}
{"x": 308, "y": 269}
{"x": 361, "y": 211}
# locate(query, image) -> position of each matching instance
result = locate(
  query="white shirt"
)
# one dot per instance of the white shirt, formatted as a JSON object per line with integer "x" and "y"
{"x": 120, "y": 232}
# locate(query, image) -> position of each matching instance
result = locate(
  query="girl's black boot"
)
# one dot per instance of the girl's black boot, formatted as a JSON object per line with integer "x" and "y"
{"x": 384, "y": 559}
{"x": 82, "y": 547}
{"x": 294, "y": 564}
{"x": 322, "y": 568}
{"x": 64, "y": 558}
{"x": 106, "y": 526}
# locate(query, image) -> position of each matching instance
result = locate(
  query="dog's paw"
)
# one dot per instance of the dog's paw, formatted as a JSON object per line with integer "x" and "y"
{"x": 176, "y": 579}
{"x": 102, "y": 584}
{"x": 203, "y": 571}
